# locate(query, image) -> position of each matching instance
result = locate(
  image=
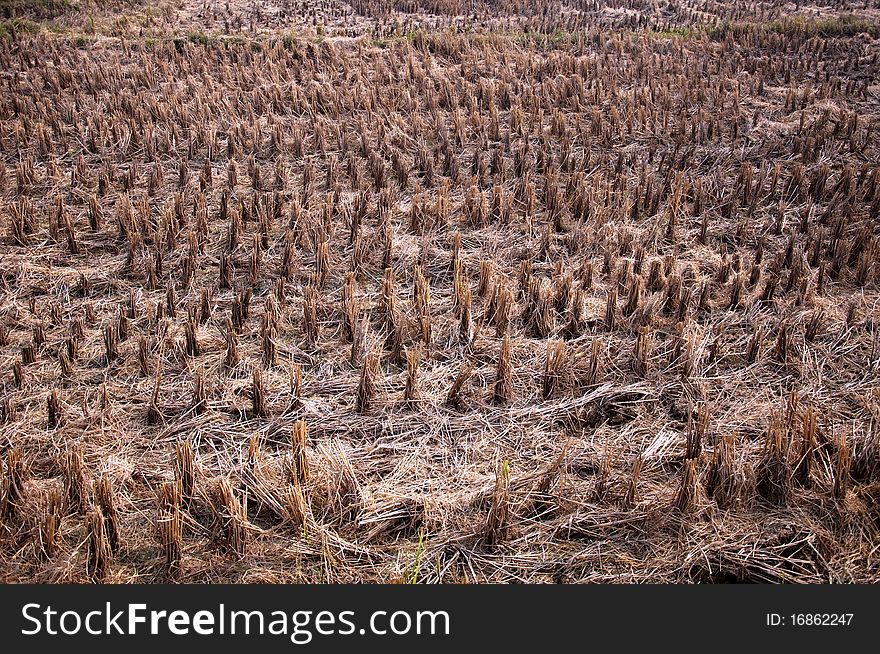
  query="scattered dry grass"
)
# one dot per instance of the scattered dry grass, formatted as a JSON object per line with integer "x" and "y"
{"x": 578, "y": 293}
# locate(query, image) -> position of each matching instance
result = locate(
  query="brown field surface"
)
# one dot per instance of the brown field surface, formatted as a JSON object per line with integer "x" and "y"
{"x": 439, "y": 291}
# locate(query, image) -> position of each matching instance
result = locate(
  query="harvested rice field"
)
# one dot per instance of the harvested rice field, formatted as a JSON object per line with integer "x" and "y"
{"x": 435, "y": 291}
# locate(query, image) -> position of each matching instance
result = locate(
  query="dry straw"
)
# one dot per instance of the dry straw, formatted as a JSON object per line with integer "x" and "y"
{"x": 444, "y": 255}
